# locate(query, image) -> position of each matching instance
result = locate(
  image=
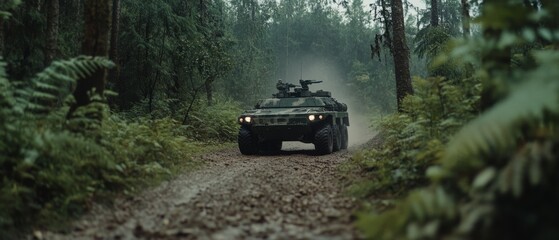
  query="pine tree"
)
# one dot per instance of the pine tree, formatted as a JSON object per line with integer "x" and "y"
{"x": 401, "y": 53}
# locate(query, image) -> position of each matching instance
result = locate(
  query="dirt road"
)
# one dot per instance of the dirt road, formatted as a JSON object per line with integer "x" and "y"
{"x": 294, "y": 195}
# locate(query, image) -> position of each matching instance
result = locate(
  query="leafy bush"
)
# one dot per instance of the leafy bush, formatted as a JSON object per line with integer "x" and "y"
{"x": 497, "y": 176}
{"x": 414, "y": 138}
{"x": 147, "y": 148}
{"x": 202, "y": 122}
{"x": 52, "y": 168}
{"x": 216, "y": 122}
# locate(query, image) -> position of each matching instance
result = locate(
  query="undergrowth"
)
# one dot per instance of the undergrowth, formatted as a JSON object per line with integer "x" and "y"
{"x": 470, "y": 175}
{"x": 52, "y": 168}
{"x": 216, "y": 122}
{"x": 199, "y": 121}
{"x": 496, "y": 178}
{"x": 415, "y": 137}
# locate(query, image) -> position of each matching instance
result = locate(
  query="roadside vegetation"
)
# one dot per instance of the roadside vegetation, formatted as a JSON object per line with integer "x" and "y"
{"x": 54, "y": 168}
{"x": 472, "y": 155}
{"x": 100, "y": 98}
{"x": 166, "y": 84}
{"x": 66, "y": 140}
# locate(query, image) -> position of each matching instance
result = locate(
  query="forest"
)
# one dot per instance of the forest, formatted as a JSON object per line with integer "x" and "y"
{"x": 104, "y": 98}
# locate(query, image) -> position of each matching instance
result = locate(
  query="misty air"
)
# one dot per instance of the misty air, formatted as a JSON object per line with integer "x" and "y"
{"x": 279, "y": 119}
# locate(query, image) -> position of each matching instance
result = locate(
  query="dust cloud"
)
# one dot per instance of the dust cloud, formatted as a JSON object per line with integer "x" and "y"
{"x": 316, "y": 68}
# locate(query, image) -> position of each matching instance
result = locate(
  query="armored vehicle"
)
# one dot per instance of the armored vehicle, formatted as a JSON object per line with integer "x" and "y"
{"x": 298, "y": 115}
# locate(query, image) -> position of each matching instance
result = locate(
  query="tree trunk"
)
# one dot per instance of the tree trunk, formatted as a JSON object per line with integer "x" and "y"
{"x": 97, "y": 25}
{"x": 1, "y": 36}
{"x": 53, "y": 13}
{"x": 465, "y": 18}
{"x": 194, "y": 97}
{"x": 401, "y": 53}
{"x": 209, "y": 90}
{"x": 435, "y": 13}
{"x": 114, "y": 74}
{"x": 113, "y": 51}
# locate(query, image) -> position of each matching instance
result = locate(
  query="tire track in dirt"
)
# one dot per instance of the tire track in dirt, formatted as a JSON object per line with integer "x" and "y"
{"x": 294, "y": 195}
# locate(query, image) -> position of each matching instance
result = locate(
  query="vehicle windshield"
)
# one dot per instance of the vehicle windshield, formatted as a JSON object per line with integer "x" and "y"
{"x": 290, "y": 102}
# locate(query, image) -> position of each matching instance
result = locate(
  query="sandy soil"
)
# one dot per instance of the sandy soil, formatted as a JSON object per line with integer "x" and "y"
{"x": 294, "y": 195}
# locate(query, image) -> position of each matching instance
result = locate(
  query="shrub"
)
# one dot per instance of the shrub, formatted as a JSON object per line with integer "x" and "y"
{"x": 414, "y": 138}
{"x": 217, "y": 122}
{"x": 497, "y": 177}
{"x": 53, "y": 168}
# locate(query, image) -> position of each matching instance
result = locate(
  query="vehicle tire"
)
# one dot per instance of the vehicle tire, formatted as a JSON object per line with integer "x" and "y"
{"x": 345, "y": 136}
{"x": 323, "y": 140}
{"x": 276, "y": 146}
{"x": 271, "y": 147}
{"x": 337, "y": 138}
{"x": 248, "y": 143}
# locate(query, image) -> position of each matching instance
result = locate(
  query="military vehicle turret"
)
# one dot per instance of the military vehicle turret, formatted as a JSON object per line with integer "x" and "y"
{"x": 294, "y": 115}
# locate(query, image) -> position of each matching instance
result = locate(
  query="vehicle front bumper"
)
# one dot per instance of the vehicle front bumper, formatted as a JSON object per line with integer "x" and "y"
{"x": 294, "y": 127}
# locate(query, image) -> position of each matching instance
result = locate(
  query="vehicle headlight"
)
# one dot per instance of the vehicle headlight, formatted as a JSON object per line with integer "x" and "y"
{"x": 248, "y": 119}
{"x": 241, "y": 120}
{"x": 312, "y": 117}
{"x": 320, "y": 117}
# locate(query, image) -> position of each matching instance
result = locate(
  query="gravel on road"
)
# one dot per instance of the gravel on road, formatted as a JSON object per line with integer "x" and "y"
{"x": 293, "y": 195}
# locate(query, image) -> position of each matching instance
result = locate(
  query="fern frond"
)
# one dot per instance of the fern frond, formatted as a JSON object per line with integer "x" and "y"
{"x": 6, "y": 97}
{"x": 531, "y": 105}
{"x": 46, "y": 87}
{"x": 44, "y": 96}
{"x": 430, "y": 41}
{"x": 4, "y": 83}
{"x": 52, "y": 84}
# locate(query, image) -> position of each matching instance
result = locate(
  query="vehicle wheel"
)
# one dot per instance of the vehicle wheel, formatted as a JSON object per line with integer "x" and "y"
{"x": 345, "y": 136}
{"x": 271, "y": 147}
{"x": 337, "y": 138}
{"x": 323, "y": 140}
{"x": 276, "y": 146}
{"x": 248, "y": 143}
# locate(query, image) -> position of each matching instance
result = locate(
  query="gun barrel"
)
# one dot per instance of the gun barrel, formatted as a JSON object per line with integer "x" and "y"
{"x": 310, "y": 81}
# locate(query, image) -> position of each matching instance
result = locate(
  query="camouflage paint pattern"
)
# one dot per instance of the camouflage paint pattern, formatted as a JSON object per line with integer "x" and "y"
{"x": 291, "y": 111}
{"x": 285, "y": 117}
{"x": 291, "y": 102}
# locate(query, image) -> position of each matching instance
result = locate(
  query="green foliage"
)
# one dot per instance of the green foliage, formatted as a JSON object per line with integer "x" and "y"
{"x": 216, "y": 122}
{"x": 6, "y": 96}
{"x": 38, "y": 160}
{"x": 50, "y": 86}
{"x": 496, "y": 178}
{"x": 430, "y": 41}
{"x": 526, "y": 108}
{"x": 148, "y": 148}
{"x": 414, "y": 138}
{"x": 371, "y": 91}
{"x": 8, "y": 5}
{"x": 171, "y": 50}
{"x": 499, "y": 170}
{"x": 50, "y": 173}
{"x": 200, "y": 122}
{"x": 167, "y": 50}
{"x": 23, "y": 39}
